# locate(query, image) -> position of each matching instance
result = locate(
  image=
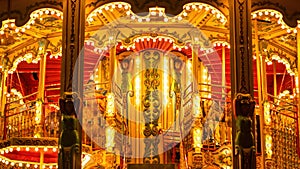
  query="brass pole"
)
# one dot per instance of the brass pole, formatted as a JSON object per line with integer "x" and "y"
{"x": 3, "y": 91}
{"x": 275, "y": 80}
{"x": 298, "y": 87}
{"x": 195, "y": 52}
{"x": 260, "y": 91}
{"x": 42, "y": 159}
{"x": 112, "y": 63}
{"x": 223, "y": 70}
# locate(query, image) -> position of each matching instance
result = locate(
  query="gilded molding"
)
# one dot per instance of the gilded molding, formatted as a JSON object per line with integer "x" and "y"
{"x": 290, "y": 14}
{"x": 173, "y": 7}
{"x": 22, "y": 14}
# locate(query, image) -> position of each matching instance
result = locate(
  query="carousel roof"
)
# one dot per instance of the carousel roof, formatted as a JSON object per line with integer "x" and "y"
{"x": 21, "y": 45}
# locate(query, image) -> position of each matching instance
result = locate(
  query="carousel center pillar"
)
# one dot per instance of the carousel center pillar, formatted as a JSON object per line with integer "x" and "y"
{"x": 70, "y": 144}
{"x": 243, "y": 130}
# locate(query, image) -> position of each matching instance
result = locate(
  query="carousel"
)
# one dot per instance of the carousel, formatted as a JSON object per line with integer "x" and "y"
{"x": 155, "y": 87}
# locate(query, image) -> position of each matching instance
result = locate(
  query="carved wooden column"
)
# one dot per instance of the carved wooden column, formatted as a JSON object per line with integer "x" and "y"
{"x": 242, "y": 84}
{"x": 71, "y": 84}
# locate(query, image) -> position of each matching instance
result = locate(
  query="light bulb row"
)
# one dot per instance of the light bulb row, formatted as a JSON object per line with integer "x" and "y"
{"x": 200, "y": 6}
{"x": 281, "y": 60}
{"x": 278, "y": 16}
{"x": 221, "y": 43}
{"x": 10, "y": 23}
{"x": 27, "y": 57}
{"x": 7, "y": 161}
{"x": 110, "y": 6}
{"x": 28, "y": 148}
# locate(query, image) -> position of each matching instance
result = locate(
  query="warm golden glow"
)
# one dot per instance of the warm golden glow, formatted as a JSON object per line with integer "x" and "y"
{"x": 110, "y": 107}
{"x": 269, "y": 146}
{"x": 110, "y": 141}
{"x": 267, "y": 113}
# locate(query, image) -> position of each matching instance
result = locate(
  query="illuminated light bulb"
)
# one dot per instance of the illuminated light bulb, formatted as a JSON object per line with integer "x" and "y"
{"x": 1, "y": 32}
{"x": 148, "y": 19}
{"x": 54, "y": 149}
{"x": 18, "y": 148}
{"x": 140, "y": 20}
{"x": 27, "y": 149}
{"x": 11, "y": 149}
{"x": 133, "y": 17}
{"x": 7, "y": 162}
{"x": 260, "y": 13}
{"x": 299, "y": 25}
{"x": 120, "y": 6}
{"x": 295, "y": 30}
{"x": 174, "y": 47}
{"x": 36, "y": 149}
{"x": 12, "y": 24}
{"x": 128, "y": 13}
{"x": 52, "y": 12}
{"x": 207, "y": 8}
{"x": 35, "y": 166}
{"x": 58, "y": 14}
{"x": 5, "y": 26}
{"x": 27, "y": 165}
{"x": 6, "y": 150}
{"x": 160, "y": 14}
{"x": 179, "y": 49}
{"x": 213, "y": 11}
{"x": 218, "y": 15}
{"x": 266, "y": 12}
{"x": 154, "y": 40}
{"x": 41, "y": 13}
{"x": 166, "y": 19}
{"x": 113, "y": 6}
{"x": 277, "y": 16}
{"x": 222, "y": 20}
{"x": 193, "y": 6}
{"x": 187, "y": 7}
{"x": 20, "y": 164}
{"x": 12, "y": 163}
{"x": 126, "y": 7}
{"x": 288, "y": 31}
{"x": 27, "y": 26}
{"x": 148, "y": 39}
{"x": 51, "y": 167}
{"x": 47, "y": 12}
{"x": 159, "y": 38}
{"x": 133, "y": 47}
{"x": 184, "y": 14}
{"x": 106, "y": 8}
{"x": 254, "y": 15}
{"x": 282, "y": 26}
{"x": 185, "y": 47}
{"x": 200, "y": 6}
{"x": 91, "y": 19}
{"x": 179, "y": 18}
